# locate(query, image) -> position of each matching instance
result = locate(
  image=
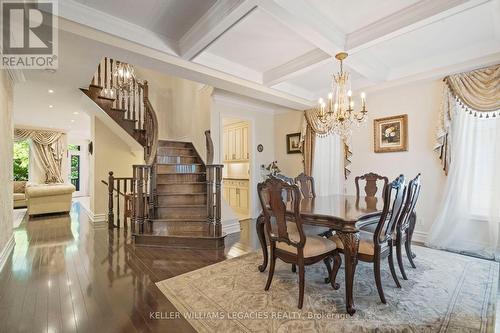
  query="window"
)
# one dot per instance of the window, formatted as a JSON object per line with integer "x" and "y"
{"x": 74, "y": 176}
{"x": 21, "y": 160}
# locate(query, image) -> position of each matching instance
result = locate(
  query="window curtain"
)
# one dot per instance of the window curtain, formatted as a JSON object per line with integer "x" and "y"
{"x": 477, "y": 92}
{"x": 48, "y": 150}
{"x": 328, "y": 166}
{"x": 469, "y": 217}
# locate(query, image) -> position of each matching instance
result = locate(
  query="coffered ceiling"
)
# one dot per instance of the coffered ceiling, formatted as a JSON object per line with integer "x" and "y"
{"x": 287, "y": 46}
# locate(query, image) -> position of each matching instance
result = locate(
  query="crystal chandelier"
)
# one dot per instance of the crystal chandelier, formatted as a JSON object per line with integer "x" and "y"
{"x": 124, "y": 75}
{"x": 338, "y": 112}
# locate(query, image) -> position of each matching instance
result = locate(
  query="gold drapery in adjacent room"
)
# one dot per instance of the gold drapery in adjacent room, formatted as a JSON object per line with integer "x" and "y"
{"x": 48, "y": 148}
{"x": 312, "y": 127}
{"x": 477, "y": 93}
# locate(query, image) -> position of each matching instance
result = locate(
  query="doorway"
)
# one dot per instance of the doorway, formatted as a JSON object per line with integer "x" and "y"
{"x": 78, "y": 168}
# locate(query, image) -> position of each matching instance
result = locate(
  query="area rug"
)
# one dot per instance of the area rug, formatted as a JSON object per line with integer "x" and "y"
{"x": 446, "y": 293}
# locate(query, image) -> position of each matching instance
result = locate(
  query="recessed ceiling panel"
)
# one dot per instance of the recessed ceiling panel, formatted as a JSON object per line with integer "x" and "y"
{"x": 259, "y": 42}
{"x": 171, "y": 18}
{"x": 353, "y": 15}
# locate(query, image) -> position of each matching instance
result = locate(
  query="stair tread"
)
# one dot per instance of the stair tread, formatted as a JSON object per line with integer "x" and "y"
{"x": 95, "y": 86}
{"x": 180, "y": 193}
{"x": 108, "y": 98}
{"x": 181, "y": 206}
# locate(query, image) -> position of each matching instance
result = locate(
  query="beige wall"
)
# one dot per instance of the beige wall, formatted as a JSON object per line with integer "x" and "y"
{"x": 287, "y": 123}
{"x": 6, "y": 150}
{"x": 421, "y": 102}
{"x": 110, "y": 154}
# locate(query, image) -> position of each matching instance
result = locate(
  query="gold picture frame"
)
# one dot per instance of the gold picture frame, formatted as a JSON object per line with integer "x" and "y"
{"x": 391, "y": 134}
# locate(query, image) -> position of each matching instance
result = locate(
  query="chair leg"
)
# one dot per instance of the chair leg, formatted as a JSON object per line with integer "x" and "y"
{"x": 409, "y": 253}
{"x": 328, "y": 269}
{"x": 391, "y": 265}
{"x": 301, "y": 284}
{"x": 337, "y": 261}
{"x": 271, "y": 269}
{"x": 400, "y": 259}
{"x": 378, "y": 281}
{"x": 294, "y": 268}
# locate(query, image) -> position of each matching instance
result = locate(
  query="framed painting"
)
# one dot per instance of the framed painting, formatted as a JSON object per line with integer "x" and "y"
{"x": 293, "y": 143}
{"x": 391, "y": 134}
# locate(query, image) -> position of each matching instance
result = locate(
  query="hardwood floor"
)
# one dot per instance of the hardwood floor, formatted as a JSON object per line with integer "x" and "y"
{"x": 66, "y": 276}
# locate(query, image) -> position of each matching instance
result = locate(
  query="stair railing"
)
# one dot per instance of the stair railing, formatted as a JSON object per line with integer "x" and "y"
{"x": 144, "y": 194}
{"x": 214, "y": 186}
{"x": 119, "y": 188}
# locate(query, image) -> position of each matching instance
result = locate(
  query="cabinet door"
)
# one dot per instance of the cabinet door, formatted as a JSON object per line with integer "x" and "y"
{"x": 232, "y": 197}
{"x": 244, "y": 143}
{"x": 230, "y": 139}
{"x": 225, "y": 193}
{"x": 225, "y": 142}
{"x": 237, "y": 143}
{"x": 243, "y": 198}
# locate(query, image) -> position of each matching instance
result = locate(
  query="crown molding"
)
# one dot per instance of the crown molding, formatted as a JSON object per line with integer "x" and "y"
{"x": 221, "y": 17}
{"x": 230, "y": 99}
{"x": 80, "y": 13}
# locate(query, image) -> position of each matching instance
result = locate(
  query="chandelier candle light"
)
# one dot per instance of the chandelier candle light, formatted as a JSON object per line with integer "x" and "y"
{"x": 338, "y": 112}
{"x": 125, "y": 77}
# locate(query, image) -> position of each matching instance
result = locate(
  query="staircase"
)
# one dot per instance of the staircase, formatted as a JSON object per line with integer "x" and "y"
{"x": 175, "y": 197}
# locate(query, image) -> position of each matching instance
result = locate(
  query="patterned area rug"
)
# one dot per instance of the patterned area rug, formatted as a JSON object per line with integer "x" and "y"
{"x": 446, "y": 293}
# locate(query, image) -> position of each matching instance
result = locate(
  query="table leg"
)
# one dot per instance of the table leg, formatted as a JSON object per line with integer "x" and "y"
{"x": 262, "y": 238}
{"x": 351, "y": 245}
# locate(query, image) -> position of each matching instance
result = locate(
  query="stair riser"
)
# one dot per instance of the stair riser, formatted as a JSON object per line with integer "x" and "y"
{"x": 181, "y": 212}
{"x": 180, "y": 178}
{"x": 181, "y": 188}
{"x": 179, "y": 227}
{"x": 175, "y": 151}
{"x": 176, "y": 159}
{"x": 182, "y": 199}
{"x": 180, "y": 168}
{"x": 176, "y": 144}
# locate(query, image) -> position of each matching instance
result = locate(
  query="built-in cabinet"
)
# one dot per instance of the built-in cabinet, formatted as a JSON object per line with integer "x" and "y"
{"x": 236, "y": 139}
{"x": 235, "y": 192}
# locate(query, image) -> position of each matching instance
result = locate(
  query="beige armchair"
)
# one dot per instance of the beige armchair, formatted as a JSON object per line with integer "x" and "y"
{"x": 49, "y": 198}
{"x": 19, "y": 194}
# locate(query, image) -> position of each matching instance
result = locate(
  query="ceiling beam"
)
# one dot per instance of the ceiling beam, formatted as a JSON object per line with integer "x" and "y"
{"x": 408, "y": 19}
{"x": 295, "y": 67}
{"x": 223, "y": 15}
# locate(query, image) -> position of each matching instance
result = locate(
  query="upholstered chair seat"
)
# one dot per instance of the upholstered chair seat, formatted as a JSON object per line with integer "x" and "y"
{"x": 315, "y": 245}
{"x": 365, "y": 243}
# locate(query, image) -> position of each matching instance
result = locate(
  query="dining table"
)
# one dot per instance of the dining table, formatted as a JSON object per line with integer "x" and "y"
{"x": 344, "y": 214}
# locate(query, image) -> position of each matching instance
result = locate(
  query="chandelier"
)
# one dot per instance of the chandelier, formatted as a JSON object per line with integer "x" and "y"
{"x": 337, "y": 113}
{"x": 124, "y": 75}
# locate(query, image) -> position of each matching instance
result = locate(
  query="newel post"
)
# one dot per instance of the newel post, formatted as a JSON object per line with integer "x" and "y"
{"x": 218, "y": 204}
{"x": 210, "y": 194}
{"x": 111, "y": 214}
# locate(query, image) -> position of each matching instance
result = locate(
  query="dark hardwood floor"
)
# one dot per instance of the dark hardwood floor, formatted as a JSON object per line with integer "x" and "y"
{"x": 66, "y": 276}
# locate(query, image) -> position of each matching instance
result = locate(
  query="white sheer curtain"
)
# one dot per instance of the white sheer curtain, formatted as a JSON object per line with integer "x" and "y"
{"x": 469, "y": 218}
{"x": 328, "y": 166}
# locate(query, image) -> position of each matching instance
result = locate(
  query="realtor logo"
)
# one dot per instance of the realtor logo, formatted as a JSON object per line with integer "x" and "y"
{"x": 29, "y": 34}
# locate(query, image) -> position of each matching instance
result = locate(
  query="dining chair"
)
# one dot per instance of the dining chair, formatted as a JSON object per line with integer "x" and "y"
{"x": 290, "y": 245}
{"x": 373, "y": 247}
{"x": 306, "y": 184}
{"x": 284, "y": 178}
{"x": 370, "y": 179}
{"x": 405, "y": 225}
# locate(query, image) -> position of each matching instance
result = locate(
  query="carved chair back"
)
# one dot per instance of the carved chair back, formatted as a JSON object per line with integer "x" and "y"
{"x": 412, "y": 194}
{"x": 306, "y": 184}
{"x": 394, "y": 194}
{"x": 284, "y": 178}
{"x": 371, "y": 183}
{"x": 274, "y": 195}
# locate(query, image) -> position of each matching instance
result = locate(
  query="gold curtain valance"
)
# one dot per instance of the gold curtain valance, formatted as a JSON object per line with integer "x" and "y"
{"x": 318, "y": 127}
{"x": 478, "y": 90}
{"x": 39, "y": 136}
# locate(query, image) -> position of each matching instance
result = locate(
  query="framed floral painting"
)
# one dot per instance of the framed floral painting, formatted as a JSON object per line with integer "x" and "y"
{"x": 391, "y": 134}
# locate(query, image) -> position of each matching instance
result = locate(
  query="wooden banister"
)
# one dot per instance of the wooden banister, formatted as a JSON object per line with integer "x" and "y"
{"x": 114, "y": 185}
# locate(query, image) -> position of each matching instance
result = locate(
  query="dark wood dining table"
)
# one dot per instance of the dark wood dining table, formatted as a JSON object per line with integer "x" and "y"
{"x": 342, "y": 213}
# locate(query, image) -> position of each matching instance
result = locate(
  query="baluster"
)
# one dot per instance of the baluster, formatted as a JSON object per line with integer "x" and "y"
{"x": 128, "y": 103}
{"x": 218, "y": 203}
{"x": 111, "y": 84}
{"x": 152, "y": 194}
{"x": 145, "y": 96}
{"x": 210, "y": 195}
{"x": 140, "y": 198}
{"x": 118, "y": 203}
{"x": 99, "y": 75}
{"x": 106, "y": 73}
{"x": 133, "y": 102}
{"x": 125, "y": 204}
{"x": 111, "y": 214}
{"x": 133, "y": 200}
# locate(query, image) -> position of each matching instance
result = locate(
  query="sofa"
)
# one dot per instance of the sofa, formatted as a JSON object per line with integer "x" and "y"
{"x": 19, "y": 194}
{"x": 49, "y": 198}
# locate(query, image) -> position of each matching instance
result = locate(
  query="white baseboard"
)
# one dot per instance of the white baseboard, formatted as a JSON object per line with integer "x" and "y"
{"x": 4, "y": 255}
{"x": 419, "y": 236}
{"x": 97, "y": 220}
{"x": 232, "y": 227}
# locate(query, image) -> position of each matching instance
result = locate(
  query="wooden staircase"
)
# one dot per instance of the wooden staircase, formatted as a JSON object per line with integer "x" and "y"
{"x": 175, "y": 196}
